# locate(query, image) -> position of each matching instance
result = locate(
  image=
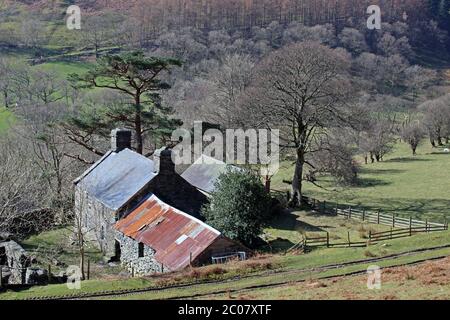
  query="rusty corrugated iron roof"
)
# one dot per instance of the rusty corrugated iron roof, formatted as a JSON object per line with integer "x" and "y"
{"x": 173, "y": 234}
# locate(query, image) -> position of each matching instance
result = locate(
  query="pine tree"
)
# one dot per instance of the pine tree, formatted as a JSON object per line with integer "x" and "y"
{"x": 137, "y": 77}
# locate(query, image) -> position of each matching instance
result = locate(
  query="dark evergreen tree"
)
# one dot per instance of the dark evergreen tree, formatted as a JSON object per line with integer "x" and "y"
{"x": 239, "y": 207}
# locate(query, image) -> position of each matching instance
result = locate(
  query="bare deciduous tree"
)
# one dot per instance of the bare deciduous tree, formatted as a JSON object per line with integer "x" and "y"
{"x": 436, "y": 118}
{"x": 228, "y": 82}
{"x": 412, "y": 134}
{"x": 301, "y": 90}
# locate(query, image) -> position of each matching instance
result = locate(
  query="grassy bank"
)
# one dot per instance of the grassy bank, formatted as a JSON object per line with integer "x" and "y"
{"x": 286, "y": 263}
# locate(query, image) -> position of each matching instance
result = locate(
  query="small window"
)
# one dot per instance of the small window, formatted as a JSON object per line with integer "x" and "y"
{"x": 140, "y": 250}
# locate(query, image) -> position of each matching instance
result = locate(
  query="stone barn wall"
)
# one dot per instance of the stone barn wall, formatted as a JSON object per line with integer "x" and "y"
{"x": 15, "y": 261}
{"x": 98, "y": 220}
{"x": 130, "y": 257}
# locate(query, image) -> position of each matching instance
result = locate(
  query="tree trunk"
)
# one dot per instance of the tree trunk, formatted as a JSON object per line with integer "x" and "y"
{"x": 82, "y": 263}
{"x": 81, "y": 248}
{"x": 138, "y": 126}
{"x": 96, "y": 51}
{"x": 5, "y": 95}
{"x": 296, "y": 197}
{"x": 267, "y": 184}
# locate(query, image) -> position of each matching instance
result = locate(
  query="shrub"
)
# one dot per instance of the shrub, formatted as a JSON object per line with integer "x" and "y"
{"x": 240, "y": 206}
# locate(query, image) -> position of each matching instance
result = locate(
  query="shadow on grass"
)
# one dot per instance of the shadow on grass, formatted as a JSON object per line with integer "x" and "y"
{"x": 366, "y": 170}
{"x": 407, "y": 159}
{"x": 370, "y": 182}
{"x": 279, "y": 244}
{"x": 288, "y": 221}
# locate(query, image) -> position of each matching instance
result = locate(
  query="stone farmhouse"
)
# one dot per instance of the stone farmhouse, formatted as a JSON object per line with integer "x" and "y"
{"x": 143, "y": 213}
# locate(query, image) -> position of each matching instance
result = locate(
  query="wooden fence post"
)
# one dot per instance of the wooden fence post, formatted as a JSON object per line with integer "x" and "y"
{"x": 393, "y": 220}
{"x": 370, "y": 235}
{"x": 190, "y": 259}
{"x": 349, "y": 212}
{"x": 348, "y": 236}
{"x": 49, "y": 275}
{"x": 378, "y": 217}
{"x": 162, "y": 267}
{"x": 89, "y": 269}
{"x": 410, "y": 226}
{"x": 426, "y": 225}
{"x": 132, "y": 271}
{"x": 314, "y": 203}
{"x": 337, "y": 208}
{"x": 364, "y": 215}
{"x": 328, "y": 240}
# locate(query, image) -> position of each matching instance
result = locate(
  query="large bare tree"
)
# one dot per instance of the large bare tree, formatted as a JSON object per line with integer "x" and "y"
{"x": 302, "y": 90}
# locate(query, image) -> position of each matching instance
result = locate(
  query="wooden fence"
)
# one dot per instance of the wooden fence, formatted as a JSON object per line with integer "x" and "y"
{"x": 352, "y": 212}
{"x": 400, "y": 227}
{"x": 373, "y": 237}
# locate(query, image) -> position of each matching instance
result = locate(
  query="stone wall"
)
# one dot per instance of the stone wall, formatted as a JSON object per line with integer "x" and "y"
{"x": 98, "y": 222}
{"x": 15, "y": 260}
{"x": 130, "y": 257}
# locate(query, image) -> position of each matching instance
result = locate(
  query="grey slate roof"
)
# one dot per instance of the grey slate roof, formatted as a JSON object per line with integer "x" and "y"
{"x": 117, "y": 177}
{"x": 204, "y": 172}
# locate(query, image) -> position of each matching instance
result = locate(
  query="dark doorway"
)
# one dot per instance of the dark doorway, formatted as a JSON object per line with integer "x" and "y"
{"x": 117, "y": 251}
{"x": 3, "y": 258}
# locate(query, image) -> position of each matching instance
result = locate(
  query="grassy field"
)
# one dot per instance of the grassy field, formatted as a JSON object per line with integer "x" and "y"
{"x": 258, "y": 270}
{"x": 290, "y": 228}
{"x": 56, "y": 246}
{"x": 429, "y": 280}
{"x": 64, "y": 68}
{"x": 402, "y": 184}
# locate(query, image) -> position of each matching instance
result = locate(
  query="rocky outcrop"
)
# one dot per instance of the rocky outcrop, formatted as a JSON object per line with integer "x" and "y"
{"x": 36, "y": 276}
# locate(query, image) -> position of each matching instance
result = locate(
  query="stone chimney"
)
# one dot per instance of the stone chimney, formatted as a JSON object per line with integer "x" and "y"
{"x": 120, "y": 139}
{"x": 162, "y": 159}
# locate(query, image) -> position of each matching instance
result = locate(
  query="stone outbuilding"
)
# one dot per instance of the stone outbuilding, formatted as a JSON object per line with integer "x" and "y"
{"x": 156, "y": 237}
